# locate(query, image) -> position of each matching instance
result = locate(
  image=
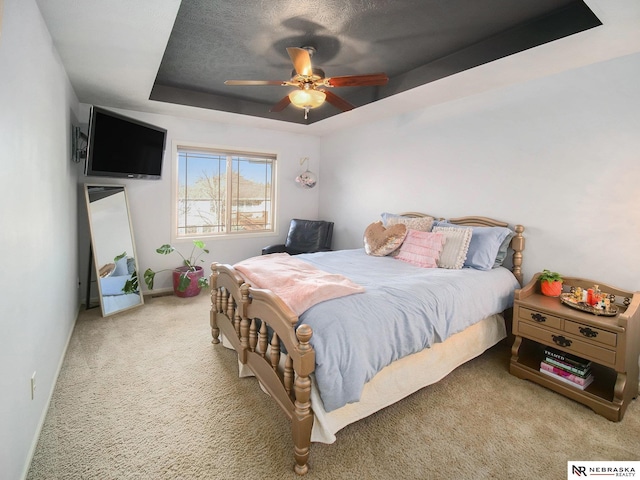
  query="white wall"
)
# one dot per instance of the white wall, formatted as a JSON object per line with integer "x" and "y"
{"x": 150, "y": 200}
{"x": 38, "y": 285}
{"x": 558, "y": 155}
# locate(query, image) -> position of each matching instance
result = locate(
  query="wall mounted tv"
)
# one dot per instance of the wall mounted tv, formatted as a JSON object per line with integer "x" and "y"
{"x": 123, "y": 147}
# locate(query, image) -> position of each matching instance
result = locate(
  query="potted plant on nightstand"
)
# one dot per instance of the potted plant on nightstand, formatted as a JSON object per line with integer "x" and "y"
{"x": 550, "y": 283}
{"x": 188, "y": 279}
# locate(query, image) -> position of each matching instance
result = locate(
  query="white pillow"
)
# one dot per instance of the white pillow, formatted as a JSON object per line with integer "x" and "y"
{"x": 422, "y": 224}
{"x": 455, "y": 248}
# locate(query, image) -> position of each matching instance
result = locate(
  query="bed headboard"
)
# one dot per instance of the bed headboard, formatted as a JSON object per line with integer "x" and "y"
{"x": 516, "y": 245}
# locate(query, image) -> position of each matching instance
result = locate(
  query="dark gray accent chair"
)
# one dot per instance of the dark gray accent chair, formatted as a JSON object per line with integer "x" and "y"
{"x": 305, "y": 236}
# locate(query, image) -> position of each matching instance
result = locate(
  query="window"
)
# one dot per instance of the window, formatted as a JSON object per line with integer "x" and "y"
{"x": 223, "y": 192}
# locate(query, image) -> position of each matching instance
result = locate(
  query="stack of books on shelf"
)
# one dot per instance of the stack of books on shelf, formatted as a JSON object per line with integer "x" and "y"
{"x": 567, "y": 368}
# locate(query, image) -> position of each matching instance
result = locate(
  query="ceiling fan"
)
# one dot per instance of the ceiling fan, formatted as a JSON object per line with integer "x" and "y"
{"x": 311, "y": 84}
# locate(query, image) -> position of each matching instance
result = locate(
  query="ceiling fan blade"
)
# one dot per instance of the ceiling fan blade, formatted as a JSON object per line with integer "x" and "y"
{"x": 254, "y": 82}
{"x": 338, "y": 102}
{"x": 281, "y": 105}
{"x": 358, "y": 80}
{"x": 301, "y": 60}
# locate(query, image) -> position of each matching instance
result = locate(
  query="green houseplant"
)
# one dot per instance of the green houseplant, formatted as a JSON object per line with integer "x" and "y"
{"x": 550, "y": 283}
{"x": 131, "y": 285}
{"x": 189, "y": 278}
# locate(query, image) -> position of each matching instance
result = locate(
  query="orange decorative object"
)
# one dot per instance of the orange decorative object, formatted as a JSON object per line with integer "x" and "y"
{"x": 551, "y": 289}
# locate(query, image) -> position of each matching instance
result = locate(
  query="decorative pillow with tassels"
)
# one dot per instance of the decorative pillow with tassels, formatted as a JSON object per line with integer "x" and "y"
{"x": 456, "y": 246}
{"x": 421, "y": 248}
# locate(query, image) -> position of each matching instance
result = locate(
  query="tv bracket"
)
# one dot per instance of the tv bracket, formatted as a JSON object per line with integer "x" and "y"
{"x": 78, "y": 145}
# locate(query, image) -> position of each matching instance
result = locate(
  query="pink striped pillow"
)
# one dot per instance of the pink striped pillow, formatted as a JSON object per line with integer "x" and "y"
{"x": 421, "y": 248}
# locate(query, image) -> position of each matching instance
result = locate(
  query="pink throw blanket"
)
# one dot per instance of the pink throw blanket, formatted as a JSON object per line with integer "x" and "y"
{"x": 297, "y": 283}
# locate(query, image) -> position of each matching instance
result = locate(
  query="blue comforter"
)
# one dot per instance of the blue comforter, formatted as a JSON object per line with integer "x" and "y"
{"x": 403, "y": 310}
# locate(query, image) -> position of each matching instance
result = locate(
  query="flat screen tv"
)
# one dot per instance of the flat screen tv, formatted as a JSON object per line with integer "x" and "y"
{"x": 123, "y": 147}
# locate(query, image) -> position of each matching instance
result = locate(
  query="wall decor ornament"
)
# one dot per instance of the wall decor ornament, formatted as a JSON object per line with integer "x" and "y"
{"x": 306, "y": 179}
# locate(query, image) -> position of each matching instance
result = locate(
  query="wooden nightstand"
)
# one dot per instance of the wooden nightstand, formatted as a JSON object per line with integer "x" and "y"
{"x": 611, "y": 343}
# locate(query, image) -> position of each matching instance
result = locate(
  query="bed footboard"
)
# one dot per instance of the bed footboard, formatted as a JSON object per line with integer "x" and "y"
{"x": 262, "y": 330}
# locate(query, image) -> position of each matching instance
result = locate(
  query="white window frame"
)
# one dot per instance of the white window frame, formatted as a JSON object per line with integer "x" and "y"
{"x": 177, "y": 145}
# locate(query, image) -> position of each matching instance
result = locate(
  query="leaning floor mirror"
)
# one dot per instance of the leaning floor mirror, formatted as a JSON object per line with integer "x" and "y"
{"x": 113, "y": 248}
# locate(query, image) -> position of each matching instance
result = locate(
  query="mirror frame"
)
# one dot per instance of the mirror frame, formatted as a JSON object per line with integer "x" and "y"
{"x": 97, "y": 250}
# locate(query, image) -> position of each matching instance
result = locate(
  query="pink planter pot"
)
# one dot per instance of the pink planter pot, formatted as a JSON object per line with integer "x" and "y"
{"x": 551, "y": 289}
{"x": 193, "y": 289}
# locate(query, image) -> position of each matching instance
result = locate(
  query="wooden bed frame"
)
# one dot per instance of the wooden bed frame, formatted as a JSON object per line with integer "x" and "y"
{"x": 235, "y": 307}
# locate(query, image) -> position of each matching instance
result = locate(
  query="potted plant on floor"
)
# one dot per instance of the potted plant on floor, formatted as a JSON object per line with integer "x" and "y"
{"x": 189, "y": 278}
{"x": 550, "y": 283}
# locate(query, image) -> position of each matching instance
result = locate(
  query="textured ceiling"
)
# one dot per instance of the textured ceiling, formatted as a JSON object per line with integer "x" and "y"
{"x": 414, "y": 42}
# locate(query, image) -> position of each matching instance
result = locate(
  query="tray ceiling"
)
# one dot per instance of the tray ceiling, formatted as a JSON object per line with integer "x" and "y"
{"x": 414, "y": 42}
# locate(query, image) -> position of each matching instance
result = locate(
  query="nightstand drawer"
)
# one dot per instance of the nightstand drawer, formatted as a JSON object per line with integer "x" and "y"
{"x": 539, "y": 318}
{"x": 591, "y": 333}
{"x": 570, "y": 344}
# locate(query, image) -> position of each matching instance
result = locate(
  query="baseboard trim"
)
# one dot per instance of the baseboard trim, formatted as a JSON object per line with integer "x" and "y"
{"x": 161, "y": 292}
{"x": 43, "y": 415}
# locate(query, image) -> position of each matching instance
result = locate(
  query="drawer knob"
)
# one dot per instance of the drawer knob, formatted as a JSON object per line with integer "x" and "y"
{"x": 587, "y": 332}
{"x": 560, "y": 340}
{"x": 538, "y": 317}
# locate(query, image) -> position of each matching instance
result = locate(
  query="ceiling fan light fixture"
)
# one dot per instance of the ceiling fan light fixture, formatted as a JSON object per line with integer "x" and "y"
{"x": 307, "y": 98}
{"x": 311, "y": 83}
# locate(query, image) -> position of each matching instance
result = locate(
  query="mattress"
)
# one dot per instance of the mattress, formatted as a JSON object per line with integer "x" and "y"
{"x": 403, "y": 310}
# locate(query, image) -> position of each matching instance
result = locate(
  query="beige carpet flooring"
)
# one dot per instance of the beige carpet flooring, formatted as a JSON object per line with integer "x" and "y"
{"x": 145, "y": 395}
